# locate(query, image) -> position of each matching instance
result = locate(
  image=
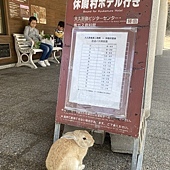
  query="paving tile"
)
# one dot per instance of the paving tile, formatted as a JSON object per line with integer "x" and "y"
{"x": 159, "y": 115}
{"x": 102, "y": 158}
{"x": 15, "y": 118}
{"x": 3, "y": 163}
{"x": 27, "y": 111}
{"x": 40, "y": 125}
{"x": 23, "y": 166}
{"x": 157, "y": 155}
{"x": 15, "y": 143}
{"x": 38, "y": 152}
{"x": 158, "y": 129}
{"x": 7, "y": 102}
{"x": 4, "y": 130}
{"x": 160, "y": 105}
{"x": 156, "y": 166}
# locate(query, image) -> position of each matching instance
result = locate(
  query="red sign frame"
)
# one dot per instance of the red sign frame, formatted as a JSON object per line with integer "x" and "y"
{"x": 125, "y": 16}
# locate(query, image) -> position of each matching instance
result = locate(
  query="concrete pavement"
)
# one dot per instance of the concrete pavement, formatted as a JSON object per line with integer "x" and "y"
{"x": 27, "y": 111}
{"x": 157, "y": 148}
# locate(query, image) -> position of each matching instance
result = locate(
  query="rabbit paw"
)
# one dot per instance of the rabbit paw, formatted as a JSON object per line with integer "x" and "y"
{"x": 81, "y": 167}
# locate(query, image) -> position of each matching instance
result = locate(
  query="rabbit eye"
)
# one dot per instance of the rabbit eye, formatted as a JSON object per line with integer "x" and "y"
{"x": 84, "y": 138}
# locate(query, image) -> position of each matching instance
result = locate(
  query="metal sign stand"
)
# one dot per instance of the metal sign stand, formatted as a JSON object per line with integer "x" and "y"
{"x": 138, "y": 148}
{"x": 56, "y": 132}
{"x": 93, "y": 26}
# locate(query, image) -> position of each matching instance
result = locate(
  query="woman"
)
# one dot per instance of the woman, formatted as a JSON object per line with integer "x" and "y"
{"x": 32, "y": 34}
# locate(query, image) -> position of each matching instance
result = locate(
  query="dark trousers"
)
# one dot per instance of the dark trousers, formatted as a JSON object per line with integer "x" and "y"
{"x": 47, "y": 50}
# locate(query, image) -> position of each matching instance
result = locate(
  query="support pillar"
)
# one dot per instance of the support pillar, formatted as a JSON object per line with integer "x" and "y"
{"x": 151, "y": 56}
{"x": 163, "y": 14}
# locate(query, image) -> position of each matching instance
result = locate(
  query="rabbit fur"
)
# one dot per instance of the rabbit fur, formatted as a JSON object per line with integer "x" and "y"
{"x": 68, "y": 152}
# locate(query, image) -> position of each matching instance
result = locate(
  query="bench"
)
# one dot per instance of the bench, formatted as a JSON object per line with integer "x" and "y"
{"x": 23, "y": 49}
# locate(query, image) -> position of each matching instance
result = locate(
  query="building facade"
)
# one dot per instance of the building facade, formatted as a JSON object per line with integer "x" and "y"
{"x": 14, "y": 16}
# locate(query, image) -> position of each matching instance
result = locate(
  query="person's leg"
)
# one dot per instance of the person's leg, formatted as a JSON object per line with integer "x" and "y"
{"x": 50, "y": 47}
{"x": 43, "y": 56}
{"x": 45, "y": 49}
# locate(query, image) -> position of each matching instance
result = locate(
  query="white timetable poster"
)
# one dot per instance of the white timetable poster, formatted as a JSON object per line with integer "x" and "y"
{"x": 98, "y": 66}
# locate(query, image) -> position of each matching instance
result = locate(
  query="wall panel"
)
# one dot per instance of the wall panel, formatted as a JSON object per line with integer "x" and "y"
{"x": 55, "y": 11}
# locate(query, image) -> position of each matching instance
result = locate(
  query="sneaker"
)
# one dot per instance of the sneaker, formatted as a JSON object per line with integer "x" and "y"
{"x": 42, "y": 63}
{"x": 47, "y": 62}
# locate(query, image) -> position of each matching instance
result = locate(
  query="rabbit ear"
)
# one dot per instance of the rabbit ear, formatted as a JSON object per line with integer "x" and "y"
{"x": 69, "y": 135}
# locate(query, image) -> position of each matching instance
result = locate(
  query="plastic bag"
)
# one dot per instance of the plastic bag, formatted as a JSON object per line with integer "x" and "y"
{"x": 48, "y": 40}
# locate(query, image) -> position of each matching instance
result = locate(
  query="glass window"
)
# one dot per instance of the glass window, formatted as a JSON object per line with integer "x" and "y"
{"x": 2, "y": 18}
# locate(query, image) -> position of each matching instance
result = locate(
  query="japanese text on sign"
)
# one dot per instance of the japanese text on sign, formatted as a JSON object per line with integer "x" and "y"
{"x": 94, "y": 4}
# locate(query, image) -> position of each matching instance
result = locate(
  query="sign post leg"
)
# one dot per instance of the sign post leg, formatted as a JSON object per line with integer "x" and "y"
{"x": 137, "y": 157}
{"x": 140, "y": 158}
{"x": 56, "y": 131}
{"x": 135, "y": 154}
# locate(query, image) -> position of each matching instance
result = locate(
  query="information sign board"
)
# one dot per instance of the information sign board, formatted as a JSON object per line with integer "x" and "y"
{"x": 103, "y": 65}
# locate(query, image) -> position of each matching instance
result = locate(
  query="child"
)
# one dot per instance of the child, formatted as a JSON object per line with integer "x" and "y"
{"x": 59, "y": 34}
{"x": 32, "y": 34}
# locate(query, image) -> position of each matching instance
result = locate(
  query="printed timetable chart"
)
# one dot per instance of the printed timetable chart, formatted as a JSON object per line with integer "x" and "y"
{"x": 98, "y": 66}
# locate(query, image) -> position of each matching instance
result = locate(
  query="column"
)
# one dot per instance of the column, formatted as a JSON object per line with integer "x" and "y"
{"x": 163, "y": 14}
{"x": 151, "y": 56}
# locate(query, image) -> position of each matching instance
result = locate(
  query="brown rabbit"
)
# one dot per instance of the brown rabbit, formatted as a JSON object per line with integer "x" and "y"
{"x": 68, "y": 152}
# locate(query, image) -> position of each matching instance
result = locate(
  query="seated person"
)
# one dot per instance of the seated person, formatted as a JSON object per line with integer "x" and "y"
{"x": 32, "y": 34}
{"x": 59, "y": 34}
